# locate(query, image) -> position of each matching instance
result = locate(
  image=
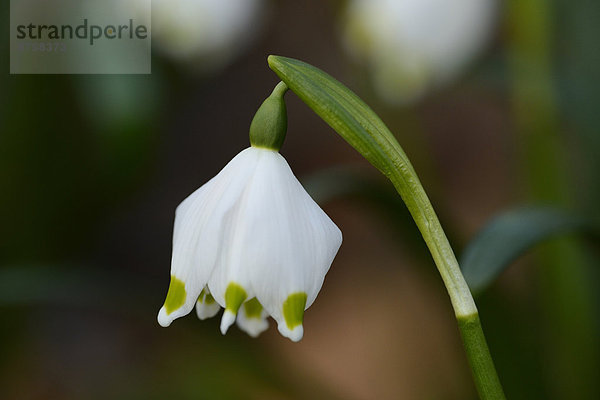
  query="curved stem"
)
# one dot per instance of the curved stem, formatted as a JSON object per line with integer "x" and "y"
{"x": 352, "y": 119}
{"x": 478, "y": 354}
{"x": 427, "y": 221}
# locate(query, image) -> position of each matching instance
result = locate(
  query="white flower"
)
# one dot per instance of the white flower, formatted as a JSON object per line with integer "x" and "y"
{"x": 203, "y": 34}
{"x": 413, "y": 46}
{"x": 251, "y": 240}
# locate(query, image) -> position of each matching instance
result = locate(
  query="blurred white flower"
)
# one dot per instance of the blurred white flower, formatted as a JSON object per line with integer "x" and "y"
{"x": 252, "y": 241}
{"x": 205, "y": 34}
{"x": 413, "y": 46}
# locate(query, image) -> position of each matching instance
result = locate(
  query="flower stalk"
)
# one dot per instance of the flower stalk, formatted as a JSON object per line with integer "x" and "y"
{"x": 352, "y": 119}
{"x": 467, "y": 316}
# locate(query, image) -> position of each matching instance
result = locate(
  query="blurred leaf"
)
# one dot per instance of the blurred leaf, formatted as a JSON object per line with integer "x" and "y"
{"x": 579, "y": 69}
{"x": 511, "y": 234}
{"x": 338, "y": 182}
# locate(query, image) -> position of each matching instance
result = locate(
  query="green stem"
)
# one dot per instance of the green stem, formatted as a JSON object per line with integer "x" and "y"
{"x": 478, "y": 354}
{"x": 484, "y": 373}
{"x": 352, "y": 119}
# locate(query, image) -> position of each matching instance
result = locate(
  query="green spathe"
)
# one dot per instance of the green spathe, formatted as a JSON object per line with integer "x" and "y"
{"x": 175, "y": 296}
{"x": 269, "y": 124}
{"x": 234, "y": 297}
{"x": 293, "y": 309}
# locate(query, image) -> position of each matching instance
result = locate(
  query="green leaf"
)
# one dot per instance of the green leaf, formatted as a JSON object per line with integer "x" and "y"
{"x": 354, "y": 120}
{"x": 347, "y": 114}
{"x": 511, "y": 234}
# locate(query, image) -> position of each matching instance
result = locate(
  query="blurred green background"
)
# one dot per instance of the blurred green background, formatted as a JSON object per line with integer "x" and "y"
{"x": 92, "y": 168}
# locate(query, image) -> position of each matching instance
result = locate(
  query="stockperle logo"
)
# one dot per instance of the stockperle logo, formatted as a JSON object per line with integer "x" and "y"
{"x": 80, "y": 37}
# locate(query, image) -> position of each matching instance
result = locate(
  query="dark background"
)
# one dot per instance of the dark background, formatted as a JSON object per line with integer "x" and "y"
{"x": 92, "y": 168}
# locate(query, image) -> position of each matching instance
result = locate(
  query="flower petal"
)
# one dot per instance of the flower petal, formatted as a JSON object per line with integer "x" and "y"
{"x": 293, "y": 316}
{"x": 197, "y": 236}
{"x": 206, "y": 306}
{"x": 252, "y": 319}
{"x": 235, "y": 295}
{"x": 234, "y": 274}
{"x": 285, "y": 243}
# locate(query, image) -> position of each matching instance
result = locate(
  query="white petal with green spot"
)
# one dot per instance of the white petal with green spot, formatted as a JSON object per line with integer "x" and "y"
{"x": 252, "y": 318}
{"x": 206, "y": 306}
{"x": 252, "y": 232}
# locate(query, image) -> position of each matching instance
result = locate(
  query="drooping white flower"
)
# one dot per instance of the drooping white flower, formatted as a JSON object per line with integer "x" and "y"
{"x": 251, "y": 240}
{"x": 413, "y": 46}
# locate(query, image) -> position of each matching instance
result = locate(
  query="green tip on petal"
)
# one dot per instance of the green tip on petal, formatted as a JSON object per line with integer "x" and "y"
{"x": 293, "y": 309}
{"x": 269, "y": 125}
{"x": 234, "y": 297}
{"x": 206, "y": 297}
{"x": 175, "y": 296}
{"x": 252, "y": 308}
